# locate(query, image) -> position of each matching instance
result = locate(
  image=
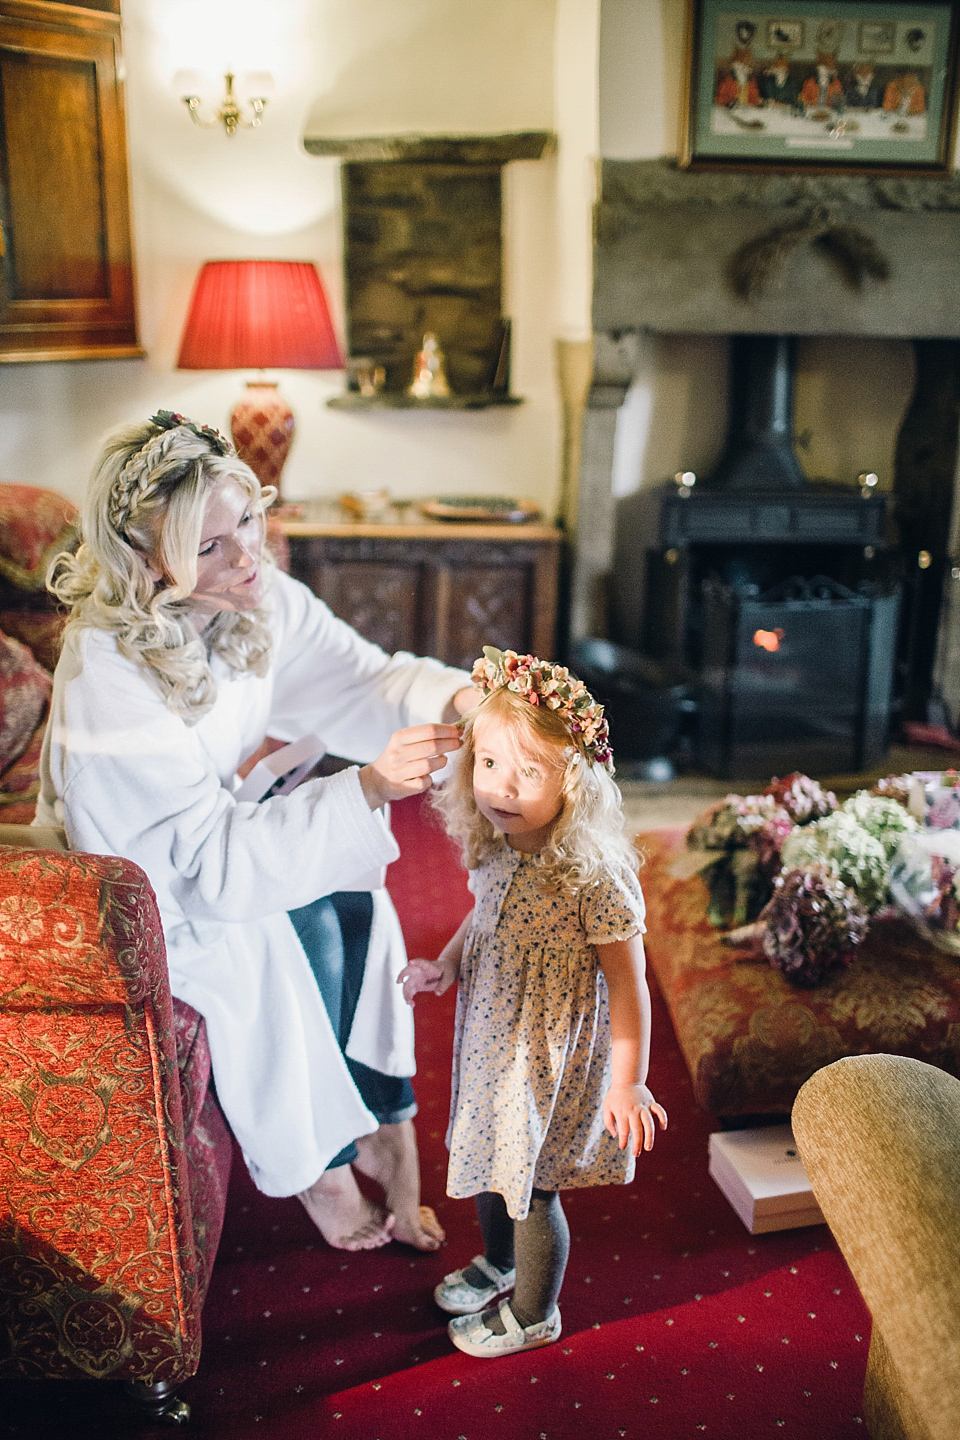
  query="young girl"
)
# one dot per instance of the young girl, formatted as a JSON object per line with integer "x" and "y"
{"x": 553, "y": 1013}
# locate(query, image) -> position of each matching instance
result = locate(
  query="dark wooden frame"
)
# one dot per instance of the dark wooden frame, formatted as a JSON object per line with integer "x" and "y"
{"x": 701, "y": 51}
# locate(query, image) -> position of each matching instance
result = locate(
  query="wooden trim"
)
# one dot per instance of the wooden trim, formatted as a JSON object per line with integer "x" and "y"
{"x": 49, "y": 13}
{"x": 451, "y": 530}
{"x": 75, "y": 352}
{"x": 543, "y": 619}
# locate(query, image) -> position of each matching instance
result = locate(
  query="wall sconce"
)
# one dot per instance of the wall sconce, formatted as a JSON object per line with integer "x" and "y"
{"x": 233, "y": 115}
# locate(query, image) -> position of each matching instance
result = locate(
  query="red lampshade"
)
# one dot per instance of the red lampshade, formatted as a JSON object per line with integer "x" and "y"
{"x": 259, "y": 314}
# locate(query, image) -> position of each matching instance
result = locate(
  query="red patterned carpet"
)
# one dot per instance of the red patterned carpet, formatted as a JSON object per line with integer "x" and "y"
{"x": 677, "y": 1323}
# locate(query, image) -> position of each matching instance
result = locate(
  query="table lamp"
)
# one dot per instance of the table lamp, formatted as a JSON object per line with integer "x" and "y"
{"x": 260, "y": 314}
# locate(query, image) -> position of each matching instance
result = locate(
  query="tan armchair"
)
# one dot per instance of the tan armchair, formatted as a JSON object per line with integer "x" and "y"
{"x": 880, "y": 1139}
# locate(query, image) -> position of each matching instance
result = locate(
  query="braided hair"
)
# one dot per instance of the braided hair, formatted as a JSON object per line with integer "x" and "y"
{"x": 141, "y": 519}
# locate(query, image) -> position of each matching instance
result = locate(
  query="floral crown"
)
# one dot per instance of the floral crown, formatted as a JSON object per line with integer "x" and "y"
{"x": 170, "y": 420}
{"x": 136, "y": 479}
{"x": 553, "y": 687}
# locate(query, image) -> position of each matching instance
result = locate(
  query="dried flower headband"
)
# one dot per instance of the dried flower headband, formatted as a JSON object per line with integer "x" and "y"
{"x": 136, "y": 481}
{"x": 554, "y": 688}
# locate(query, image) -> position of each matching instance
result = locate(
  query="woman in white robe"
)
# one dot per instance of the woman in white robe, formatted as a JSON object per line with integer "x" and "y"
{"x": 183, "y": 651}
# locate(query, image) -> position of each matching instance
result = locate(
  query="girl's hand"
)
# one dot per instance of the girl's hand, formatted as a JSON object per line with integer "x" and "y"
{"x": 406, "y": 765}
{"x": 628, "y": 1114}
{"x": 427, "y": 976}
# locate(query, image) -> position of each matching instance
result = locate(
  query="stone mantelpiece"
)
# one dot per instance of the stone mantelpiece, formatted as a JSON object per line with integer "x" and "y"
{"x": 666, "y": 238}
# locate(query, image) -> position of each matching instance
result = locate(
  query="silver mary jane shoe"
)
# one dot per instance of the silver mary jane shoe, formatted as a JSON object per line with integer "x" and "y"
{"x": 470, "y": 1334}
{"x": 458, "y": 1297}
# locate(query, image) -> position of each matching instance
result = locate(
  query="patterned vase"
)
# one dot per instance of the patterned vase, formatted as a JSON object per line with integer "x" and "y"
{"x": 262, "y": 428}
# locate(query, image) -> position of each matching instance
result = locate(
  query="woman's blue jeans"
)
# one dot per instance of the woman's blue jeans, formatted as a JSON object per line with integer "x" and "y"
{"x": 335, "y": 934}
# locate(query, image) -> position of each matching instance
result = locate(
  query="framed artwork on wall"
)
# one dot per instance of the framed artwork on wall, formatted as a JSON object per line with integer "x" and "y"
{"x": 821, "y": 85}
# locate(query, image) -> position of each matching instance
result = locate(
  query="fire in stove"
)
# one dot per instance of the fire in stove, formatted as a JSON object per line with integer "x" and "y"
{"x": 768, "y": 639}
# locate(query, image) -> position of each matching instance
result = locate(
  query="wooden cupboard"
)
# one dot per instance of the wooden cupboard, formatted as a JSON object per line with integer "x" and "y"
{"x": 435, "y": 589}
{"x": 66, "y": 272}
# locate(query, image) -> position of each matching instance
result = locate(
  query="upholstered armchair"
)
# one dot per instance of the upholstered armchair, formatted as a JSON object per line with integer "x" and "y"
{"x": 114, "y": 1156}
{"x": 880, "y": 1139}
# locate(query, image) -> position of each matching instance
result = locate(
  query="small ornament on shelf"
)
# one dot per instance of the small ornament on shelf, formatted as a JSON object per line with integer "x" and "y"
{"x": 429, "y": 371}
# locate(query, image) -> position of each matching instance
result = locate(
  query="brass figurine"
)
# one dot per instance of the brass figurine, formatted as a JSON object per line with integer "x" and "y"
{"x": 429, "y": 375}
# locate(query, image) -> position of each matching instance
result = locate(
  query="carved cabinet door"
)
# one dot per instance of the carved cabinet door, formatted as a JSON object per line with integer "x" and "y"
{"x": 441, "y": 598}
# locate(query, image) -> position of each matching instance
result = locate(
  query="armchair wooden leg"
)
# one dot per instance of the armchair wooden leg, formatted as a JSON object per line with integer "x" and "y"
{"x": 159, "y": 1402}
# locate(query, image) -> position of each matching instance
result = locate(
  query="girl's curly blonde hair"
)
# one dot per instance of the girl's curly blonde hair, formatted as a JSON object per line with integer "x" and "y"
{"x": 589, "y": 837}
{"x": 144, "y": 508}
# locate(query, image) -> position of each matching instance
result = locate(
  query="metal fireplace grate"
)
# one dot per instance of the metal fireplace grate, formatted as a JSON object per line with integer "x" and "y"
{"x": 795, "y": 678}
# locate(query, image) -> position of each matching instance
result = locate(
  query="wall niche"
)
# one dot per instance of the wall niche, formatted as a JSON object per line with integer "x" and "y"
{"x": 423, "y": 252}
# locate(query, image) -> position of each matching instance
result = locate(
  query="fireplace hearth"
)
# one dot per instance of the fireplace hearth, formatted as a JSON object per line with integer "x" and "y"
{"x": 666, "y": 240}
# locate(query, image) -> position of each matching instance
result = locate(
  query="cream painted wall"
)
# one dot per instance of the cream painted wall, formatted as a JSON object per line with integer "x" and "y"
{"x": 381, "y": 67}
{"x": 850, "y": 394}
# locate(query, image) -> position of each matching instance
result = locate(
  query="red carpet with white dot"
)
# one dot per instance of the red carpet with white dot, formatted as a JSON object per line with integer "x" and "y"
{"x": 677, "y": 1323}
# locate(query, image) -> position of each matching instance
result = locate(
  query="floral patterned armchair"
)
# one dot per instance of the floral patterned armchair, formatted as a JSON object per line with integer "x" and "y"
{"x": 114, "y": 1156}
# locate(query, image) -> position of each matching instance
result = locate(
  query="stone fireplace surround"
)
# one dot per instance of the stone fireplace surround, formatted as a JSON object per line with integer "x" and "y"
{"x": 665, "y": 239}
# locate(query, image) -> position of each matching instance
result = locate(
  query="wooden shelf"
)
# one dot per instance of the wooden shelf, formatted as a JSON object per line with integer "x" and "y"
{"x": 392, "y": 400}
{"x": 313, "y": 522}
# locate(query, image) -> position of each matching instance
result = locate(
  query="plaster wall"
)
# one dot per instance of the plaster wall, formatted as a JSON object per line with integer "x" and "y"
{"x": 850, "y": 394}
{"x": 387, "y": 66}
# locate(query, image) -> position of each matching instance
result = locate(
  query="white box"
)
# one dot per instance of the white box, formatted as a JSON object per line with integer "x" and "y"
{"x": 761, "y": 1174}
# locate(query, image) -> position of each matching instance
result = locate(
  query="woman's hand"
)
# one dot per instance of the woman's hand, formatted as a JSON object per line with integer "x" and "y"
{"x": 628, "y": 1114}
{"x": 431, "y": 977}
{"x": 407, "y": 763}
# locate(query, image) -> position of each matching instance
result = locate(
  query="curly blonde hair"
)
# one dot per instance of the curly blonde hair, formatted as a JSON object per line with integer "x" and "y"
{"x": 589, "y": 837}
{"x": 144, "y": 509}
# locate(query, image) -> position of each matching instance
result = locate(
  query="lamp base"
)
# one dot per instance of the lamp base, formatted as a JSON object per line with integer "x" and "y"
{"x": 262, "y": 427}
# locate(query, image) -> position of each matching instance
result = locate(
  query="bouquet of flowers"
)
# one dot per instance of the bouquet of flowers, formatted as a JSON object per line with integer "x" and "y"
{"x": 737, "y": 844}
{"x": 811, "y": 923}
{"x": 819, "y": 871}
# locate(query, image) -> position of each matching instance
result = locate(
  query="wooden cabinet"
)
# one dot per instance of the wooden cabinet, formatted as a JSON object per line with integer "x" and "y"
{"x": 443, "y": 590}
{"x": 66, "y": 274}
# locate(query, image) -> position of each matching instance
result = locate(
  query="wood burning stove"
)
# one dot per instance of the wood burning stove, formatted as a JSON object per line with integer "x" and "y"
{"x": 757, "y": 550}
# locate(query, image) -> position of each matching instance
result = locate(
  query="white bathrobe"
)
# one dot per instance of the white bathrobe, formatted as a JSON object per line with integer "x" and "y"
{"x": 125, "y": 776}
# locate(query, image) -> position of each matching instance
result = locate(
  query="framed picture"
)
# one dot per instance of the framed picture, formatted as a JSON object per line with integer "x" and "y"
{"x": 821, "y": 85}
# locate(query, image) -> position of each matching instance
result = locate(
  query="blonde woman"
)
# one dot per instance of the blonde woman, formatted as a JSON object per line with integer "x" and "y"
{"x": 183, "y": 650}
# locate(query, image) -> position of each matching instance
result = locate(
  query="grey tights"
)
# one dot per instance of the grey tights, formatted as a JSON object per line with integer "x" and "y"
{"x": 541, "y": 1243}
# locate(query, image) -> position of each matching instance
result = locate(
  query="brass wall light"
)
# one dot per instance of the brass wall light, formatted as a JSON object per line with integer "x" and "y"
{"x": 233, "y": 115}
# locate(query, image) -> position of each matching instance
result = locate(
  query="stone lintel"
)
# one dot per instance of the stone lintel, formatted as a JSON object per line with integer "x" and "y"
{"x": 667, "y": 240}
{"x": 435, "y": 149}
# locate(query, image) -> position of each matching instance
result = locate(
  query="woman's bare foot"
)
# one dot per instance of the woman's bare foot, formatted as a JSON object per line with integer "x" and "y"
{"x": 422, "y": 1229}
{"x": 389, "y": 1156}
{"x": 346, "y": 1219}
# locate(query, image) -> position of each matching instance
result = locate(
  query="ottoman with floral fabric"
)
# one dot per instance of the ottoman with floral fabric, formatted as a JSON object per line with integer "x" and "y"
{"x": 749, "y": 1037}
